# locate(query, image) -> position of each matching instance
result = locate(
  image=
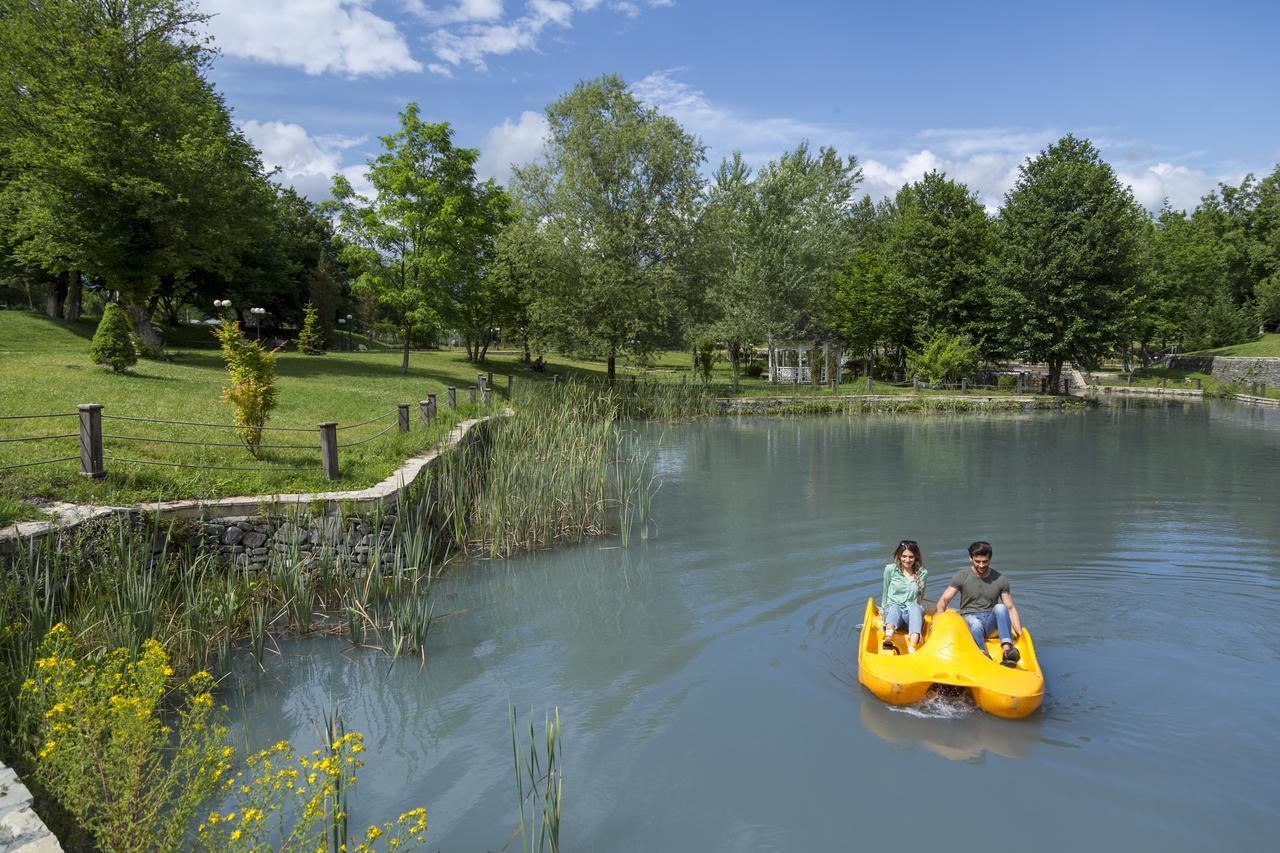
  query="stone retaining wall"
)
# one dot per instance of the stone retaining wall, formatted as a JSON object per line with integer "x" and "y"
{"x": 21, "y": 830}
{"x": 249, "y": 542}
{"x": 1241, "y": 371}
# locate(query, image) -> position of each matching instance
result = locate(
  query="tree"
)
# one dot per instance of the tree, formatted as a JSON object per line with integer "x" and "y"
{"x": 942, "y": 244}
{"x": 127, "y": 164}
{"x": 479, "y": 301}
{"x": 311, "y": 339}
{"x": 783, "y": 236}
{"x": 417, "y": 235}
{"x": 1072, "y": 252}
{"x": 112, "y": 343}
{"x": 873, "y": 307}
{"x": 618, "y": 191}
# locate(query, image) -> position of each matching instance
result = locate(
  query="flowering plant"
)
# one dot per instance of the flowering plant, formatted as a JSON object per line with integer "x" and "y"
{"x": 107, "y": 747}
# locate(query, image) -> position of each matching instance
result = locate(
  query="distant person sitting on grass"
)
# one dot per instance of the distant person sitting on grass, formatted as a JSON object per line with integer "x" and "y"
{"x": 539, "y": 366}
{"x": 985, "y": 602}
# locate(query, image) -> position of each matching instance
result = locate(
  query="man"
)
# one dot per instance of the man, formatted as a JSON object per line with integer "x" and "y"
{"x": 985, "y": 602}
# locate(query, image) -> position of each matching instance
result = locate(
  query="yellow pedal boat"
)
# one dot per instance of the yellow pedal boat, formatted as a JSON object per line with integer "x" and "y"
{"x": 948, "y": 655}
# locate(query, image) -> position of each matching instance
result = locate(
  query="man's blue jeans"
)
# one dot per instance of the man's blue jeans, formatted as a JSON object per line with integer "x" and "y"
{"x": 988, "y": 622}
{"x": 913, "y": 618}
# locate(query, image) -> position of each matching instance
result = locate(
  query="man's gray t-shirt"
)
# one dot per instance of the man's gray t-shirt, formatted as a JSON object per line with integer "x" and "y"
{"x": 979, "y": 594}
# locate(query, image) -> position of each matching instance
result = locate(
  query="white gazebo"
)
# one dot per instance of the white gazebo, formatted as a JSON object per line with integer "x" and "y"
{"x": 795, "y": 363}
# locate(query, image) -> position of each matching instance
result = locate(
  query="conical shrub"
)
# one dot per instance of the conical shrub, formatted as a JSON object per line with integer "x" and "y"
{"x": 113, "y": 343}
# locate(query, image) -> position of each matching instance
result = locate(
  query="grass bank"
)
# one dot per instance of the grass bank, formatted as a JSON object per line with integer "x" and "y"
{"x": 1268, "y": 346}
{"x": 1169, "y": 377}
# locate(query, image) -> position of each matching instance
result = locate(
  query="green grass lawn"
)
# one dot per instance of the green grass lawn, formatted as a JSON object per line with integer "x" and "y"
{"x": 45, "y": 368}
{"x": 1268, "y": 346}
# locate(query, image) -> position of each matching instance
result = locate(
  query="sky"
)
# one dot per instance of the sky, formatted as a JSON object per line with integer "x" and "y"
{"x": 1177, "y": 96}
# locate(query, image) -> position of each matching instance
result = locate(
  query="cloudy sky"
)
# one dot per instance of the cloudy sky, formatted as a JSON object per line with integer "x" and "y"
{"x": 1177, "y": 95}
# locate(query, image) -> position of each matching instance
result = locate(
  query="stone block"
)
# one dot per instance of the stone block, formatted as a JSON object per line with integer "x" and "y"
{"x": 232, "y": 535}
{"x": 254, "y": 539}
{"x": 292, "y": 534}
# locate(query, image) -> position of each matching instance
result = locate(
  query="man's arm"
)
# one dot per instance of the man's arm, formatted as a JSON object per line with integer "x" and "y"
{"x": 945, "y": 600}
{"x": 1014, "y": 622}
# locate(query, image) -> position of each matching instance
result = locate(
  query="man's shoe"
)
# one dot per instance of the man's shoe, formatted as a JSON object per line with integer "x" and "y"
{"x": 1011, "y": 657}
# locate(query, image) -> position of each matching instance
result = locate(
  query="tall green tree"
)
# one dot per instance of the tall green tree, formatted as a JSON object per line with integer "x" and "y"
{"x": 1071, "y": 269}
{"x": 783, "y": 235}
{"x": 128, "y": 166}
{"x": 479, "y": 301}
{"x": 417, "y": 234}
{"x": 619, "y": 190}
{"x": 942, "y": 244}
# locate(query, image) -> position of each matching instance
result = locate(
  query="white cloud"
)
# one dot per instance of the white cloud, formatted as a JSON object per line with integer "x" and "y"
{"x": 318, "y": 36}
{"x": 512, "y": 143}
{"x": 460, "y": 11}
{"x": 469, "y": 31}
{"x": 723, "y": 130}
{"x": 307, "y": 163}
{"x": 1181, "y": 185}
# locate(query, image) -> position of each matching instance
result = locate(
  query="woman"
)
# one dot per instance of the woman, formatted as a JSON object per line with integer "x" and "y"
{"x": 902, "y": 602}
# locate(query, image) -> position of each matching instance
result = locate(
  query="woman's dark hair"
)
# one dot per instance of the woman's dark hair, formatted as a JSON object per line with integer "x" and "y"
{"x": 909, "y": 545}
{"x": 981, "y": 548}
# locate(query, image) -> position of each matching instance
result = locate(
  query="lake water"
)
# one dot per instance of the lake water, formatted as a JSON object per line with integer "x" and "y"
{"x": 706, "y": 679}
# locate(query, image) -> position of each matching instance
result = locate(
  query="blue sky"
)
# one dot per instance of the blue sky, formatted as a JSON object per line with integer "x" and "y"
{"x": 1178, "y": 96}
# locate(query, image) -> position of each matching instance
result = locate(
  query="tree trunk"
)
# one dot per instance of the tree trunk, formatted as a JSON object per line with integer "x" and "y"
{"x": 528, "y": 356}
{"x": 75, "y": 296}
{"x": 613, "y": 362}
{"x": 57, "y": 295}
{"x": 1055, "y": 374}
{"x": 404, "y": 363}
{"x": 148, "y": 337}
{"x": 466, "y": 342}
{"x": 484, "y": 350}
{"x": 734, "y": 348}
{"x": 695, "y": 362}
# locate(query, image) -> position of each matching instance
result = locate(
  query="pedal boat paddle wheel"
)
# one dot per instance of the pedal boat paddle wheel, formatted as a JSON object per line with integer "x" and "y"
{"x": 948, "y": 655}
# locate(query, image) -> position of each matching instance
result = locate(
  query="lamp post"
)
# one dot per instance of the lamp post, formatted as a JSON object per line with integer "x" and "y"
{"x": 342, "y": 322}
{"x": 257, "y": 320}
{"x": 350, "y": 345}
{"x": 221, "y": 304}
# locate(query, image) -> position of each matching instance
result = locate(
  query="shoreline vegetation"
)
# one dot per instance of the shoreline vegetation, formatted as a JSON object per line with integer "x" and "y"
{"x": 563, "y": 467}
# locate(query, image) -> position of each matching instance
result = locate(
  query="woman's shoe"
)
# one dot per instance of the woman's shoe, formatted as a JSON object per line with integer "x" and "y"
{"x": 888, "y": 646}
{"x": 1011, "y": 657}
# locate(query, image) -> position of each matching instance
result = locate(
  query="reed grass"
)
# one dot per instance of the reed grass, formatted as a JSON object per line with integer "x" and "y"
{"x": 539, "y": 785}
{"x": 561, "y": 468}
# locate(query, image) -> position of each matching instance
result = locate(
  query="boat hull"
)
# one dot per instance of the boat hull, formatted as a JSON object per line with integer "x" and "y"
{"x": 948, "y": 655}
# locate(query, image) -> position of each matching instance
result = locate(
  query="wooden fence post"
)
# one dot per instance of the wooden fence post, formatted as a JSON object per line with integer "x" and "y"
{"x": 869, "y": 381}
{"x": 480, "y": 381}
{"x": 964, "y": 386}
{"x": 489, "y": 379}
{"x": 424, "y": 412}
{"x": 1198, "y": 386}
{"x": 510, "y": 377}
{"x": 329, "y": 450}
{"x": 471, "y": 392}
{"x": 453, "y": 397}
{"x": 488, "y": 396}
{"x": 91, "y": 441}
{"x": 404, "y": 417}
{"x": 431, "y": 404}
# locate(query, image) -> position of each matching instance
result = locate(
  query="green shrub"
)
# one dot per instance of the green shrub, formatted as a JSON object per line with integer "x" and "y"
{"x": 944, "y": 358}
{"x": 252, "y": 391}
{"x": 311, "y": 338}
{"x": 1005, "y": 382}
{"x": 113, "y": 342}
{"x": 754, "y": 369}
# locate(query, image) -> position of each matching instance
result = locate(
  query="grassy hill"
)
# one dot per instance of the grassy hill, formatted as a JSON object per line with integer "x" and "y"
{"x": 1268, "y": 346}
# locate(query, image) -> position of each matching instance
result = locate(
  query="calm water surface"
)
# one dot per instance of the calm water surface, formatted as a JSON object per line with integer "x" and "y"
{"x": 706, "y": 679}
